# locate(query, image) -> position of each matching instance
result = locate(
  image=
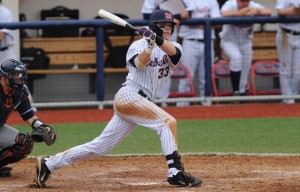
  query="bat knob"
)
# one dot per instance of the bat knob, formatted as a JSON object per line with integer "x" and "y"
{"x": 153, "y": 37}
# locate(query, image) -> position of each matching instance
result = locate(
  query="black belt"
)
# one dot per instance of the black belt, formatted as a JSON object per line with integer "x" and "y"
{"x": 197, "y": 40}
{"x": 142, "y": 94}
{"x": 3, "y": 48}
{"x": 290, "y": 31}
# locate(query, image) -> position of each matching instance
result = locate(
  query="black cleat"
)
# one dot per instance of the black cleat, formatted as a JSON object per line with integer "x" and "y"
{"x": 183, "y": 178}
{"x": 42, "y": 173}
{"x": 5, "y": 171}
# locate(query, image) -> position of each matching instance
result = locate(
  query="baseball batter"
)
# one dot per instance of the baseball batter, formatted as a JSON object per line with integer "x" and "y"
{"x": 193, "y": 44}
{"x": 236, "y": 41}
{"x": 148, "y": 7}
{"x": 150, "y": 61}
{"x": 288, "y": 48}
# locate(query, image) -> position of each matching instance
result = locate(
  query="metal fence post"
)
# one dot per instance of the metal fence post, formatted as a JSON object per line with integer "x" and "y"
{"x": 208, "y": 58}
{"x": 100, "y": 64}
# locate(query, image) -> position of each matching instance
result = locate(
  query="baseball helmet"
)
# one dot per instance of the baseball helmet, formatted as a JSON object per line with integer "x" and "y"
{"x": 159, "y": 16}
{"x": 15, "y": 71}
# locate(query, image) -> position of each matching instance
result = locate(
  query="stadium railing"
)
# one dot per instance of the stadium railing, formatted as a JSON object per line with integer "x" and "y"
{"x": 100, "y": 70}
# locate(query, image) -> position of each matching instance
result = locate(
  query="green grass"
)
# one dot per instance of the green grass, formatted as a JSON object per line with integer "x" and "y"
{"x": 261, "y": 135}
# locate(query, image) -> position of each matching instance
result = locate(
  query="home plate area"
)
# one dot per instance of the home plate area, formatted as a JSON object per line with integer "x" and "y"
{"x": 219, "y": 173}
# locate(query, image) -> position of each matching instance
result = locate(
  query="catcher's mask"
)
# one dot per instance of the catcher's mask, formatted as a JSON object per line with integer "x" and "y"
{"x": 160, "y": 16}
{"x": 15, "y": 71}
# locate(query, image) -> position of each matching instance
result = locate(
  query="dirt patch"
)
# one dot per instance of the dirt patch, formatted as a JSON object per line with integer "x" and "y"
{"x": 219, "y": 173}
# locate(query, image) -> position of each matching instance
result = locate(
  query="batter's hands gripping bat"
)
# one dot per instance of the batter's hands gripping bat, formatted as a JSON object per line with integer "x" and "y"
{"x": 119, "y": 21}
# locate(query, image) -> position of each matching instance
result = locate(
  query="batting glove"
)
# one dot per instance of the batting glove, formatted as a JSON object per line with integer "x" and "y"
{"x": 150, "y": 37}
{"x": 142, "y": 30}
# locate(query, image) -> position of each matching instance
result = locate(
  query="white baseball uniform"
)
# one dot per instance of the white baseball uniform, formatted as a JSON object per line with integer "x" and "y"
{"x": 7, "y": 50}
{"x": 193, "y": 43}
{"x": 288, "y": 48}
{"x": 236, "y": 42}
{"x": 148, "y": 7}
{"x": 133, "y": 106}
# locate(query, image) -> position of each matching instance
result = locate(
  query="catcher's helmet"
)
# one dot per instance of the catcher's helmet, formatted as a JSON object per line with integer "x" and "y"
{"x": 15, "y": 71}
{"x": 158, "y": 16}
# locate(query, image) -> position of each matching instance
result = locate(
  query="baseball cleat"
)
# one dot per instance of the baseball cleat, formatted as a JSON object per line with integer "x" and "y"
{"x": 42, "y": 173}
{"x": 183, "y": 178}
{"x": 5, "y": 171}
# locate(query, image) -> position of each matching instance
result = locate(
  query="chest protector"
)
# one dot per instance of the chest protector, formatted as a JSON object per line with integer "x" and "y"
{"x": 10, "y": 101}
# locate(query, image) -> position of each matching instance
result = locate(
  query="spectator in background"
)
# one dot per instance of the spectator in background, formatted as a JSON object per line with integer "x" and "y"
{"x": 236, "y": 41}
{"x": 288, "y": 48}
{"x": 193, "y": 44}
{"x": 148, "y": 7}
{"x": 218, "y": 29}
{"x": 7, "y": 47}
{"x": 221, "y": 3}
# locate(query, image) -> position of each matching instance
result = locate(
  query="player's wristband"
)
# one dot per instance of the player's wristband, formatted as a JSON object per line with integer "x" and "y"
{"x": 159, "y": 40}
{"x": 36, "y": 123}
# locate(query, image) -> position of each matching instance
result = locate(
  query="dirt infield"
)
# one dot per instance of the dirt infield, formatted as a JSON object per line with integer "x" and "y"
{"x": 219, "y": 173}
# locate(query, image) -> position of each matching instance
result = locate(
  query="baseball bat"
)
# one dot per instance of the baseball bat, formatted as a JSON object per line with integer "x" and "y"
{"x": 115, "y": 19}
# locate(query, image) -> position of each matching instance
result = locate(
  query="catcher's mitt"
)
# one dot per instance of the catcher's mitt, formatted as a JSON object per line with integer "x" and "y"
{"x": 43, "y": 133}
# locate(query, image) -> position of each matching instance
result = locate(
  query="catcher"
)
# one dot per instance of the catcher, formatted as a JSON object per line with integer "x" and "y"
{"x": 16, "y": 145}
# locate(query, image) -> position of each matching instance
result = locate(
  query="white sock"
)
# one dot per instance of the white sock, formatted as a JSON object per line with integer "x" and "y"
{"x": 172, "y": 171}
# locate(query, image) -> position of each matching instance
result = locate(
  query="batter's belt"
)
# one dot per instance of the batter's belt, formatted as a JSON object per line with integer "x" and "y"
{"x": 140, "y": 92}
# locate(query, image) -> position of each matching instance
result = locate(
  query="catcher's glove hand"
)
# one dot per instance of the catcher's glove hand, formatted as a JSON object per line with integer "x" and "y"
{"x": 43, "y": 133}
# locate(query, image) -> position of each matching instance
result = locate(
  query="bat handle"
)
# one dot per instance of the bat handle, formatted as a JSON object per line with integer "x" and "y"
{"x": 129, "y": 26}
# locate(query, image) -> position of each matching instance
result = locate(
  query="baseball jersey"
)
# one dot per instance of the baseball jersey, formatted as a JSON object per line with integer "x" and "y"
{"x": 150, "y": 5}
{"x": 18, "y": 99}
{"x": 230, "y": 32}
{"x": 200, "y": 9}
{"x": 284, "y": 4}
{"x": 152, "y": 78}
